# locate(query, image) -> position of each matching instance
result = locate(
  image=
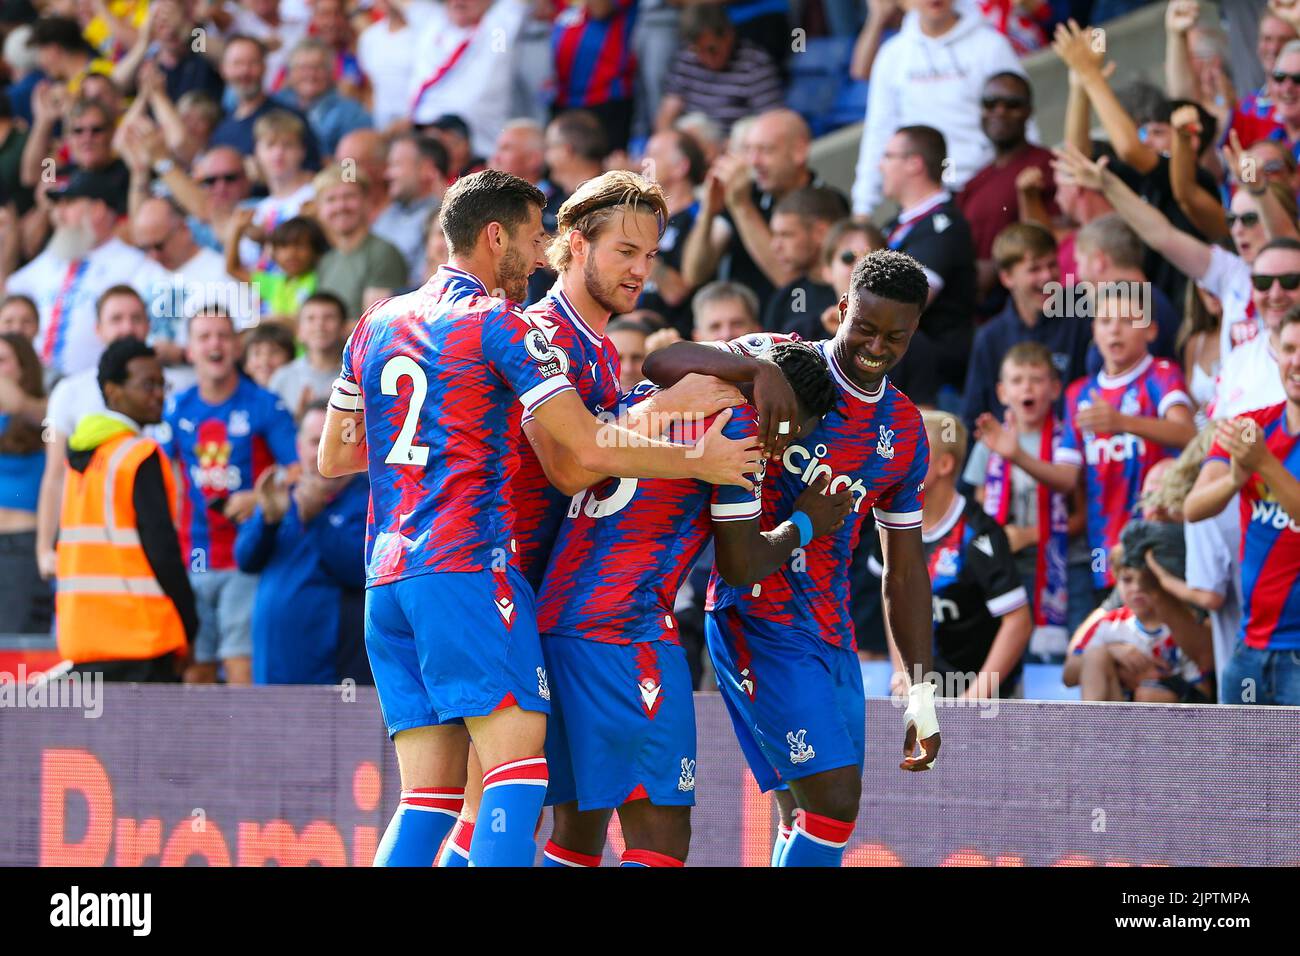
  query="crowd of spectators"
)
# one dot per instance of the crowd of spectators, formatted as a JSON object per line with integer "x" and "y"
{"x": 234, "y": 184}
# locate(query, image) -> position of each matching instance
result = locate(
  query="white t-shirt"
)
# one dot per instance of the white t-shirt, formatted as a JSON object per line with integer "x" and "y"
{"x": 201, "y": 282}
{"x": 387, "y": 57}
{"x": 1249, "y": 378}
{"x": 1212, "y": 565}
{"x": 66, "y": 292}
{"x": 267, "y": 214}
{"x": 1228, "y": 279}
{"x": 474, "y": 82}
{"x": 1121, "y": 626}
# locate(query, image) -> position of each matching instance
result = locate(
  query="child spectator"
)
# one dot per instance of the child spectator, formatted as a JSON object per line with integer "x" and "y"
{"x": 1119, "y": 423}
{"x": 982, "y": 622}
{"x": 268, "y": 349}
{"x": 280, "y": 148}
{"x": 1045, "y": 528}
{"x": 297, "y": 247}
{"x": 1212, "y": 581}
{"x": 1150, "y": 650}
{"x": 309, "y": 378}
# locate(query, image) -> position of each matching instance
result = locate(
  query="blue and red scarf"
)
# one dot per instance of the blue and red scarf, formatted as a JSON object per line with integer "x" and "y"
{"x": 1051, "y": 587}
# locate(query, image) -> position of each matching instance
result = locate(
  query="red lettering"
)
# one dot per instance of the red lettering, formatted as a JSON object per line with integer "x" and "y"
{"x": 871, "y": 854}
{"x": 185, "y": 842}
{"x": 137, "y": 841}
{"x": 966, "y": 857}
{"x": 77, "y": 771}
{"x": 276, "y": 840}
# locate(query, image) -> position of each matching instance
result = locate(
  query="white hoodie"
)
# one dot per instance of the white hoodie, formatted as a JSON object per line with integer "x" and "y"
{"x": 932, "y": 81}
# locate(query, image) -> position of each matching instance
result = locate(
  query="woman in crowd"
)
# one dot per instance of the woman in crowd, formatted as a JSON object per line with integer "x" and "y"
{"x": 25, "y": 601}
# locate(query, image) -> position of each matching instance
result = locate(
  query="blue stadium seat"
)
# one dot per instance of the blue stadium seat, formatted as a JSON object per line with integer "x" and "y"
{"x": 818, "y": 76}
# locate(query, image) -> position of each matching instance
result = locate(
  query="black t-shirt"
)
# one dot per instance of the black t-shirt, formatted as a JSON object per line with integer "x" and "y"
{"x": 798, "y": 307}
{"x": 974, "y": 582}
{"x": 193, "y": 72}
{"x": 1154, "y": 187}
{"x": 737, "y": 264}
{"x": 941, "y": 241}
{"x": 671, "y": 244}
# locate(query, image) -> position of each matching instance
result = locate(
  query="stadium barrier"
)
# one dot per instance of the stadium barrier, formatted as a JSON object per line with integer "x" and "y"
{"x": 304, "y": 775}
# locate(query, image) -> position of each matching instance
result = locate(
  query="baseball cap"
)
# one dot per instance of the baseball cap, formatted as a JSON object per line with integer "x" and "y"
{"x": 450, "y": 123}
{"x": 86, "y": 184}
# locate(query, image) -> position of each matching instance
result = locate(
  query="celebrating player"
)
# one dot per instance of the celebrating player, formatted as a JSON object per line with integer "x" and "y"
{"x": 608, "y": 235}
{"x": 450, "y": 626}
{"x": 622, "y": 727}
{"x": 784, "y": 648}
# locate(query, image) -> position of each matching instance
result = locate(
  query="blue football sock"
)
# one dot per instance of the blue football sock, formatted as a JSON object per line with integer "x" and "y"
{"x": 423, "y": 818}
{"x": 816, "y": 840}
{"x": 505, "y": 832}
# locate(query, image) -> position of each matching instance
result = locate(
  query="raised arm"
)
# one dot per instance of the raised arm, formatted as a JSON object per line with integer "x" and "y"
{"x": 707, "y": 239}
{"x": 1180, "y": 79}
{"x": 1215, "y": 487}
{"x": 865, "y": 48}
{"x": 1204, "y": 211}
{"x": 1084, "y": 53}
{"x": 1183, "y": 250}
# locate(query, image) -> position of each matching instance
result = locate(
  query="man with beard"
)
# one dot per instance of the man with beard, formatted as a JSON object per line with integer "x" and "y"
{"x": 619, "y": 217}
{"x": 82, "y": 260}
{"x": 243, "y": 67}
{"x": 450, "y": 622}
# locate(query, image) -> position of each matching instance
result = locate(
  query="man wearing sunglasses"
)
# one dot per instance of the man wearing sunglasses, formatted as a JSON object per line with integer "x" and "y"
{"x": 1249, "y": 378}
{"x": 1282, "y": 122}
{"x": 989, "y": 200}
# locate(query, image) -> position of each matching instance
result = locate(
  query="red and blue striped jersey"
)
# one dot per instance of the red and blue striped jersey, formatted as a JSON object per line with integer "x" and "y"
{"x": 1121, "y": 626}
{"x": 592, "y": 369}
{"x": 1116, "y": 465}
{"x": 872, "y": 444}
{"x": 438, "y": 371}
{"x": 1270, "y": 544}
{"x": 627, "y": 544}
{"x": 594, "y": 60}
{"x": 223, "y": 449}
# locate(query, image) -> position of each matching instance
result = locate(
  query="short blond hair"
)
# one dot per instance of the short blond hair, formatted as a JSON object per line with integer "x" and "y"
{"x": 279, "y": 124}
{"x": 947, "y": 435}
{"x": 335, "y": 175}
{"x": 593, "y": 205}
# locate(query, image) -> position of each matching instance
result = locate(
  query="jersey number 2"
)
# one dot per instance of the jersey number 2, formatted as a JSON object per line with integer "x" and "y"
{"x": 395, "y": 369}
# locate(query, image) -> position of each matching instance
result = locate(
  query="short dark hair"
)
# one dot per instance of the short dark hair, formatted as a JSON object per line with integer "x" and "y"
{"x": 809, "y": 376}
{"x": 701, "y": 18}
{"x": 272, "y": 333}
{"x": 928, "y": 143}
{"x": 581, "y": 131}
{"x": 697, "y": 167}
{"x": 326, "y": 298}
{"x": 1019, "y": 78}
{"x": 119, "y": 354}
{"x": 484, "y": 197}
{"x": 430, "y": 148}
{"x": 892, "y": 275}
{"x": 244, "y": 38}
{"x": 817, "y": 203}
{"x": 300, "y": 229}
{"x": 1209, "y": 125}
{"x": 63, "y": 32}
{"x": 1285, "y": 242}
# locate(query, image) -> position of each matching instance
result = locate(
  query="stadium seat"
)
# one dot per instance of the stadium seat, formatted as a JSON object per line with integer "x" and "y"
{"x": 818, "y": 77}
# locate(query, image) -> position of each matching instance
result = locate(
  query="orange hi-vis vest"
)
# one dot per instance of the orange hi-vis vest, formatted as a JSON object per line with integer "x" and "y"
{"x": 110, "y": 605}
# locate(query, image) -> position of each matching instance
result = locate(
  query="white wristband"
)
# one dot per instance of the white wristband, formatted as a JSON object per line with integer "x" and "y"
{"x": 920, "y": 710}
{"x": 346, "y": 396}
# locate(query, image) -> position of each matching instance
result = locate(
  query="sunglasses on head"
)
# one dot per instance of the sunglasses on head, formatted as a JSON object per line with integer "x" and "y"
{"x": 1248, "y": 219}
{"x": 1280, "y": 77}
{"x": 1006, "y": 102}
{"x": 227, "y": 178}
{"x": 1290, "y": 281}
